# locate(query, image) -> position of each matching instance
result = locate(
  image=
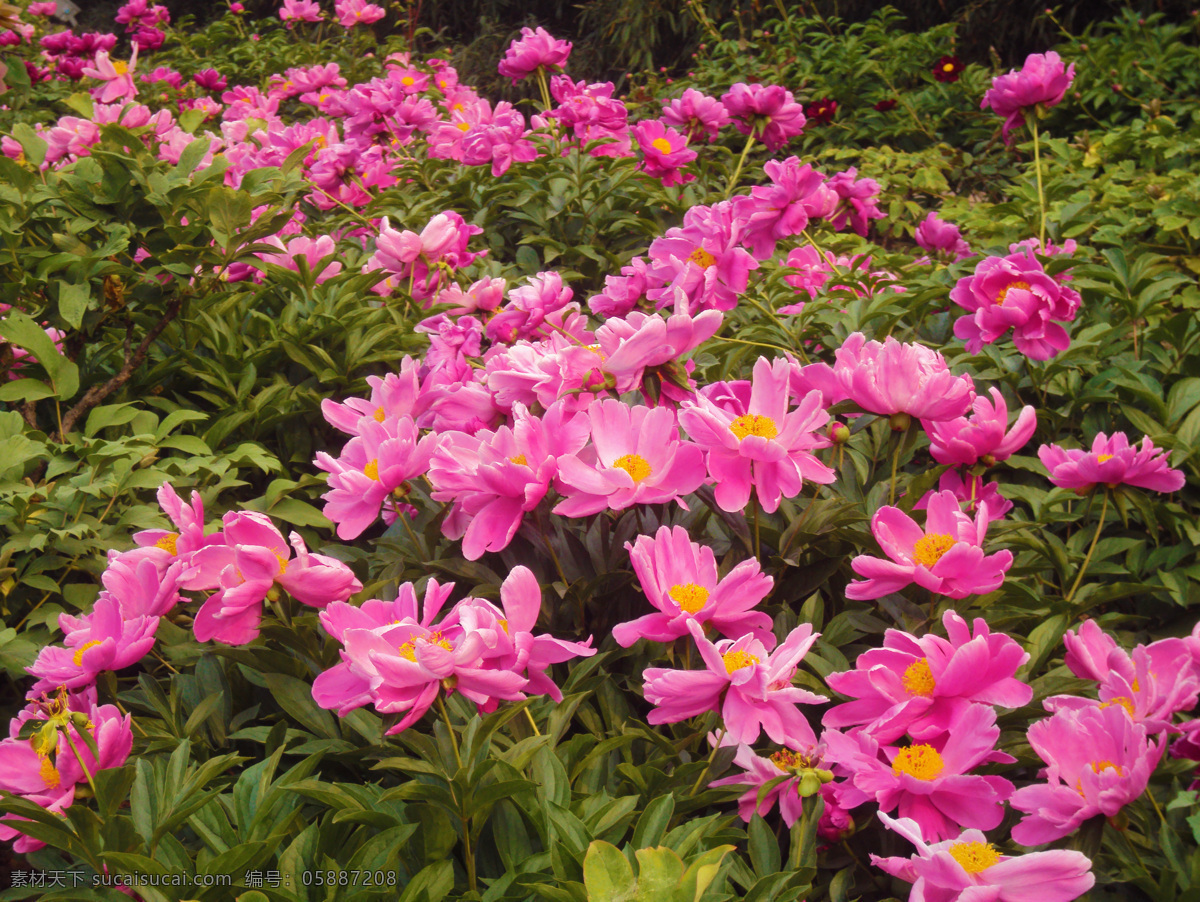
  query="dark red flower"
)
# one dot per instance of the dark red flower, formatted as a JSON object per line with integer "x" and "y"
{"x": 884, "y": 105}
{"x": 948, "y": 68}
{"x": 821, "y": 111}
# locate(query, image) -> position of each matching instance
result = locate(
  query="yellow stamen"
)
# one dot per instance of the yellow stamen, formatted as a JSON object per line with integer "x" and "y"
{"x": 1123, "y": 701}
{"x": 372, "y": 469}
{"x": 920, "y": 761}
{"x": 503, "y": 626}
{"x": 974, "y": 856}
{"x": 635, "y": 465}
{"x": 49, "y": 773}
{"x": 283, "y": 562}
{"x": 408, "y": 80}
{"x": 380, "y": 415}
{"x": 168, "y": 543}
{"x": 736, "y": 660}
{"x": 948, "y": 67}
{"x": 662, "y": 145}
{"x": 702, "y": 258}
{"x": 1103, "y": 457}
{"x": 918, "y": 679}
{"x": 120, "y": 66}
{"x": 1007, "y": 288}
{"x": 409, "y": 649}
{"x": 754, "y": 424}
{"x": 689, "y": 596}
{"x": 928, "y": 549}
{"x": 1098, "y": 766}
{"x": 78, "y": 656}
{"x": 520, "y": 459}
{"x": 464, "y": 127}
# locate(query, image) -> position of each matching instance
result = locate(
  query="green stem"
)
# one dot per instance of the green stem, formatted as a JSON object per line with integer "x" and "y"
{"x": 541, "y": 77}
{"x": 403, "y": 518}
{"x": 733, "y": 179}
{"x": 1150, "y": 795}
{"x": 83, "y": 766}
{"x": 1096, "y": 538}
{"x": 704, "y": 773}
{"x": 1037, "y": 165}
{"x": 453, "y": 735}
{"x": 895, "y": 463}
{"x": 533, "y": 723}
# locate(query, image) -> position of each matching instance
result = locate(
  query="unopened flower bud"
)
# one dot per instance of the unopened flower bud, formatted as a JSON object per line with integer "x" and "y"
{"x": 839, "y": 433}
{"x": 899, "y": 422}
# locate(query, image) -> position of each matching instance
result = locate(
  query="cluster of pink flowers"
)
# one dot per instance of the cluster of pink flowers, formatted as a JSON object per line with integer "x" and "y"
{"x": 143, "y": 23}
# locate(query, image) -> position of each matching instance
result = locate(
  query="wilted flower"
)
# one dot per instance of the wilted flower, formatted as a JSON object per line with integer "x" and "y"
{"x": 805, "y": 777}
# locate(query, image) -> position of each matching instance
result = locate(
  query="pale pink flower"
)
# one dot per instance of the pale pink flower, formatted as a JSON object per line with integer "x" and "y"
{"x": 946, "y": 557}
{"x": 1113, "y": 462}
{"x": 680, "y": 580}
{"x": 357, "y": 12}
{"x": 1098, "y": 761}
{"x": 756, "y": 685}
{"x": 919, "y": 686}
{"x": 117, "y": 76}
{"x": 301, "y": 10}
{"x": 639, "y": 346}
{"x": 969, "y": 869}
{"x": 985, "y": 436}
{"x": 1042, "y": 81}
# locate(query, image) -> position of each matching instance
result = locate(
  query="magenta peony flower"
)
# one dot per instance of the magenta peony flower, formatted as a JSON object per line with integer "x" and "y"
{"x": 1042, "y": 81}
{"x": 768, "y": 447}
{"x": 928, "y": 781}
{"x": 189, "y": 519}
{"x": 946, "y": 557}
{"x": 984, "y": 437}
{"x": 635, "y": 457}
{"x": 679, "y": 578}
{"x": 696, "y": 114}
{"x": 1112, "y": 461}
{"x": 1014, "y": 292}
{"x": 783, "y": 208}
{"x": 664, "y": 152}
{"x": 973, "y": 493}
{"x": 702, "y": 265}
{"x": 757, "y": 689}
{"x": 937, "y": 235}
{"x": 768, "y": 112}
{"x": 919, "y": 686}
{"x": 533, "y": 50}
{"x": 1098, "y": 760}
{"x": 969, "y": 869}
{"x": 859, "y": 206}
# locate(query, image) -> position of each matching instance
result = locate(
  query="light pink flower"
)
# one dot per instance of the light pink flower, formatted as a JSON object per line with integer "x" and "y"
{"x": 102, "y": 640}
{"x": 301, "y": 10}
{"x": 635, "y": 457}
{"x": 768, "y": 448}
{"x": 985, "y": 436}
{"x": 117, "y": 76}
{"x": 936, "y": 235}
{"x": 919, "y": 686}
{"x": 928, "y": 781}
{"x": 1043, "y": 81}
{"x": 946, "y": 557}
{"x": 768, "y": 112}
{"x": 969, "y": 869}
{"x": 664, "y": 152}
{"x": 641, "y": 346}
{"x": 311, "y": 250}
{"x": 357, "y": 12}
{"x": 679, "y": 578}
{"x": 757, "y": 690}
{"x": 533, "y": 50}
{"x": 1113, "y": 462}
{"x": 1098, "y": 760}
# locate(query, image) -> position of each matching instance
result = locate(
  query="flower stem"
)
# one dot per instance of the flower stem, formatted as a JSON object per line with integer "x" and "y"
{"x": 1096, "y": 538}
{"x": 541, "y": 77}
{"x": 733, "y": 179}
{"x": 453, "y": 735}
{"x": 1037, "y": 166}
{"x": 704, "y": 773}
{"x": 895, "y": 463}
{"x": 533, "y": 723}
{"x": 1150, "y": 795}
{"x": 82, "y": 764}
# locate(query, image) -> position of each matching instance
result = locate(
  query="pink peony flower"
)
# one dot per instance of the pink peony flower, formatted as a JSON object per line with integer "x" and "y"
{"x": 783, "y": 208}
{"x": 300, "y": 10}
{"x": 102, "y": 640}
{"x": 533, "y": 50}
{"x": 946, "y": 557}
{"x": 1098, "y": 760}
{"x": 357, "y": 12}
{"x": 702, "y": 265}
{"x": 1014, "y": 292}
{"x": 641, "y": 347}
{"x": 969, "y": 869}
{"x": 679, "y": 578}
{"x": 768, "y": 112}
{"x": 117, "y": 76}
{"x": 937, "y": 235}
{"x": 403, "y": 394}
{"x": 928, "y": 781}
{"x": 757, "y": 689}
{"x": 984, "y": 437}
{"x": 1113, "y": 462}
{"x": 804, "y": 773}
{"x": 696, "y": 114}
{"x": 1042, "y": 81}
{"x": 528, "y": 306}
{"x": 919, "y": 686}
{"x": 858, "y": 196}
{"x": 311, "y": 250}
{"x": 635, "y": 457}
{"x": 973, "y": 493}
{"x": 664, "y": 152}
{"x": 768, "y": 448}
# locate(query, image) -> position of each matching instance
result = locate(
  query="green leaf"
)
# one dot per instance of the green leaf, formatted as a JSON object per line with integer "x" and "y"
{"x": 228, "y": 212}
{"x": 35, "y": 147}
{"x": 109, "y": 415}
{"x": 25, "y": 390}
{"x": 764, "y": 847}
{"x": 431, "y": 884}
{"x": 25, "y": 333}
{"x": 607, "y": 874}
{"x": 660, "y": 871}
{"x": 652, "y": 825}
{"x": 295, "y": 697}
{"x": 73, "y": 302}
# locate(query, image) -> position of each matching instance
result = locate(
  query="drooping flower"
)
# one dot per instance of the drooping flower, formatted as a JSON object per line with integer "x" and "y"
{"x": 948, "y": 69}
{"x": 1098, "y": 760}
{"x": 768, "y": 112}
{"x": 920, "y": 686}
{"x": 768, "y": 448}
{"x": 969, "y": 869}
{"x": 984, "y": 437}
{"x": 535, "y": 49}
{"x": 937, "y": 235}
{"x": 1113, "y": 462}
{"x": 755, "y": 685}
{"x": 946, "y": 557}
{"x": 680, "y": 580}
{"x": 1042, "y": 81}
{"x": 928, "y": 781}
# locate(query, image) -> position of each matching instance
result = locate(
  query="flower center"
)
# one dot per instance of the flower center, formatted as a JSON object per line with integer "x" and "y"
{"x": 918, "y": 679}
{"x": 1099, "y": 766}
{"x": 689, "y": 596}
{"x": 372, "y": 469}
{"x": 949, "y": 67}
{"x": 736, "y": 660}
{"x": 380, "y": 415}
{"x": 78, "y": 656}
{"x": 662, "y": 145}
{"x": 283, "y": 562}
{"x": 1124, "y": 701}
{"x": 928, "y": 549}
{"x": 120, "y": 66}
{"x": 464, "y": 127}
{"x": 409, "y": 649}
{"x": 1009, "y": 287}
{"x": 408, "y": 80}
{"x": 49, "y": 773}
{"x": 1103, "y": 457}
{"x": 974, "y": 856}
{"x": 920, "y": 761}
{"x": 168, "y": 543}
{"x": 503, "y": 626}
{"x": 635, "y": 465}
{"x": 702, "y": 258}
{"x": 520, "y": 459}
{"x": 754, "y": 424}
